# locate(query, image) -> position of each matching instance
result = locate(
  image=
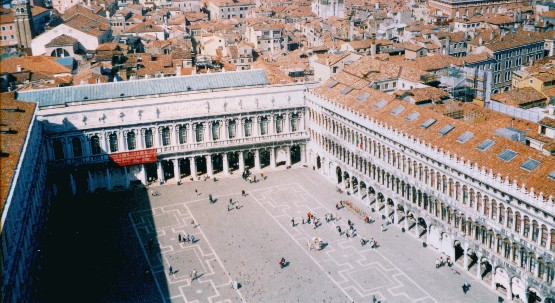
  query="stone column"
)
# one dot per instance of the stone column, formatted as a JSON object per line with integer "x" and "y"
{"x": 191, "y": 131}
{"x": 303, "y": 153}
{"x": 256, "y": 126}
{"x": 141, "y": 140}
{"x": 90, "y": 182}
{"x": 72, "y": 184}
{"x": 386, "y": 208}
{"x": 175, "y": 135}
{"x": 108, "y": 179}
{"x": 272, "y": 128}
{"x": 225, "y": 164}
{"x": 257, "y": 159}
{"x": 241, "y": 126}
{"x": 209, "y": 166}
{"x": 176, "y": 170}
{"x": 288, "y": 156}
{"x": 241, "y": 162}
{"x": 479, "y": 266}
{"x": 287, "y": 122}
{"x": 122, "y": 141}
{"x": 465, "y": 256}
{"x": 160, "y": 171}
{"x": 193, "y": 165}
{"x": 143, "y": 174}
{"x": 301, "y": 121}
{"x": 208, "y": 132}
{"x": 272, "y": 157}
{"x": 395, "y": 213}
{"x": 225, "y": 133}
{"x": 68, "y": 147}
{"x": 126, "y": 172}
{"x": 157, "y": 137}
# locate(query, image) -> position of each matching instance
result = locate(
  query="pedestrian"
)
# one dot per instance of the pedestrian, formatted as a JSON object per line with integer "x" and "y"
{"x": 466, "y": 286}
{"x": 243, "y": 193}
{"x": 237, "y": 205}
{"x": 193, "y": 223}
{"x": 194, "y": 275}
{"x": 171, "y": 270}
{"x": 339, "y": 230}
{"x": 362, "y": 241}
{"x": 282, "y": 262}
{"x": 254, "y": 179}
{"x": 229, "y": 207}
{"x": 188, "y": 238}
{"x": 337, "y": 206}
{"x": 366, "y": 219}
{"x": 230, "y": 201}
{"x": 349, "y": 222}
{"x": 293, "y": 222}
{"x": 210, "y": 198}
{"x": 193, "y": 239}
{"x": 196, "y": 191}
{"x": 179, "y": 237}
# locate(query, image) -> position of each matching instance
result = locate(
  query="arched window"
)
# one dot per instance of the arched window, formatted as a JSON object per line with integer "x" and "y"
{"x": 58, "y": 148}
{"x": 216, "y": 131}
{"x": 294, "y": 123}
{"x": 263, "y": 126}
{"x": 149, "y": 142}
{"x": 77, "y": 148}
{"x": 231, "y": 129}
{"x": 113, "y": 139}
{"x": 165, "y": 136}
{"x": 95, "y": 145}
{"x": 279, "y": 124}
{"x": 199, "y": 133}
{"x": 248, "y": 130}
{"x": 182, "y": 135}
{"x": 131, "y": 142}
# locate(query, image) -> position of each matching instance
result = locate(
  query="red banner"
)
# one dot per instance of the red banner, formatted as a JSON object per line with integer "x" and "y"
{"x": 134, "y": 157}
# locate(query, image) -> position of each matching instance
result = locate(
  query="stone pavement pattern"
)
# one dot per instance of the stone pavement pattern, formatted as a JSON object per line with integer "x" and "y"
{"x": 246, "y": 244}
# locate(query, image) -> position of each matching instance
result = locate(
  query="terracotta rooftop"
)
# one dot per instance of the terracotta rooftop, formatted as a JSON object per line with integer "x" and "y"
{"x": 33, "y": 63}
{"x": 517, "y": 97}
{"x": 15, "y": 118}
{"x": 448, "y": 143}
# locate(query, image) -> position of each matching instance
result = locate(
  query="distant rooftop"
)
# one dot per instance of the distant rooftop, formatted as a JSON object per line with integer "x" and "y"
{"x": 137, "y": 88}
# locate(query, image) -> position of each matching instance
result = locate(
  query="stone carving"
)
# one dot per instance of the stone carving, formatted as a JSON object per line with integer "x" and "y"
{"x": 84, "y": 119}
{"x": 102, "y": 118}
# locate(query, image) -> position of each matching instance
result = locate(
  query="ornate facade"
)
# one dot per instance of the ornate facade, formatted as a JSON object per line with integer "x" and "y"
{"x": 501, "y": 233}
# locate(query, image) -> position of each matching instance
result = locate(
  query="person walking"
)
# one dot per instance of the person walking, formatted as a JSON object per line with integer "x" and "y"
{"x": 293, "y": 222}
{"x": 171, "y": 270}
{"x": 243, "y": 193}
{"x": 194, "y": 275}
{"x": 282, "y": 262}
{"x": 179, "y": 238}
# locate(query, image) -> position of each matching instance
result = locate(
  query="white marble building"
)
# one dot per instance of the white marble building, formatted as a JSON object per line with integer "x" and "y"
{"x": 235, "y": 121}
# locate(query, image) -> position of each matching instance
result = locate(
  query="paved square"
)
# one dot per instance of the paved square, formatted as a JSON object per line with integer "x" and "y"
{"x": 245, "y": 244}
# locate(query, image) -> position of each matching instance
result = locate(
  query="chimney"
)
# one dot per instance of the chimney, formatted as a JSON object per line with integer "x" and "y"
{"x": 373, "y": 45}
{"x": 178, "y": 70}
{"x": 18, "y": 68}
{"x": 480, "y": 41}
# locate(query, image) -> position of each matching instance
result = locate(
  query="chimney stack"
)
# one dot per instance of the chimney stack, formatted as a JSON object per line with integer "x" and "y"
{"x": 373, "y": 45}
{"x": 18, "y": 68}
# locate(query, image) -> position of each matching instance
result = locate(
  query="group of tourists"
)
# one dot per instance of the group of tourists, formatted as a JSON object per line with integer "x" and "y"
{"x": 186, "y": 238}
{"x": 246, "y": 175}
{"x": 440, "y": 262}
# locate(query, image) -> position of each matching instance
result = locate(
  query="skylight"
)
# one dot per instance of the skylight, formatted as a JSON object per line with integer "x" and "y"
{"x": 413, "y": 116}
{"x": 380, "y": 104}
{"x": 363, "y": 97}
{"x": 446, "y": 129}
{"x": 485, "y": 145}
{"x": 465, "y": 137}
{"x": 429, "y": 122}
{"x": 507, "y": 155}
{"x": 397, "y": 110}
{"x": 530, "y": 164}
{"x": 346, "y": 90}
{"x": 332, "y": 84}
{"x": 551, "y": 175}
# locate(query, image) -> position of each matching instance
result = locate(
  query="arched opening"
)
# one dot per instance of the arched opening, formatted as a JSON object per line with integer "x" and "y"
{"x": 167, "y": 167}
{"x": 295, "y": 154}
{"x": 339, "y": 175}
{"x": 459, "y": 251}
{"x": 318, "y": 162}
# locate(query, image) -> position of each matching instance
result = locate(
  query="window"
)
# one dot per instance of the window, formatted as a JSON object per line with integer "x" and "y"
{"x": 247, "y": 130}
{"x": 149, "y": 139}
{"x": 58, "y": 148}
{"x": 279, "y": 124}
{"x": 485, "y": 145}
{"x": 507, "y": 155}
{"x": 530, "y": 164}
{"x": 446, "y": 129}
{"x": 380, "y": 104}
{"x": 77, "y": 148}
{"x": 95, "y": 145}
{"x": 113, "y": 140}
{"x": 413, "y": 116}
{"x": 428, "y": 123}
{"x": 465, "y": 137}
{"x": 198, "y": 134}
{"x": 264, "y": 126}
{"x": 551, "y": 175}
{"x": 346, "y": 90}
{"x": 295, "y": 123}
{"x": 182, "y": 135}
{"x": 397, "y": 110}
{"x": 131, "y": 142}
{"x": 231, "y": 129}
{"x": 165, "y": 136}
{"x": 363, "y": 97}
{"x": 216, "y": 131}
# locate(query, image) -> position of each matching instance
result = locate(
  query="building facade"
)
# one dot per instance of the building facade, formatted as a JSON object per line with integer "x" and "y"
{"x": 469, "y": 8}
{"x": 25, "y": 201}
{"x": 179, "y": 135}
{"x": 499, "y": 230}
